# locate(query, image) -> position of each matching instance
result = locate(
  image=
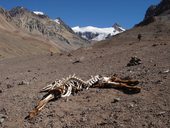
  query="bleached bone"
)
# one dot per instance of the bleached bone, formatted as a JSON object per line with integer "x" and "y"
{"x": 71, "y": 84}
{"x": 40, "y": 106}
{"x": 93, "y": 80}
{"x": 48, "y": 87}
{"x": 68, "y": 93}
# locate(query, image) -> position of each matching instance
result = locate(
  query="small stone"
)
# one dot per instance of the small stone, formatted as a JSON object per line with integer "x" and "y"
{"x": 87, "y": 97}
{"x": 23, "y": 83}
{"x": 9, "y": 86}
{"x": 51, "y": 53}
{"x": 98, "y": 91}
{"x": 61, "y": 54}
{"x": 158, "y": 82}
{"x": 34, "y": 78}
{"x": 3, "y": 111}
{"x": 153, "y": 45}
{"x": 166, "y": 71}
{"x": 131, "y": 105}
{"x": 69, "y": 55}
{"x": 66, "y": 100}
{"x": 50, "y": 115}
{"x": 76, "y": 61}
{"x": 164, "y": 77}
{"x": 134, "y": 61}
{"x": 2, "y": 118}
{"x": 0, "y": 91}
{"x": 115, "y": 100}
{"x": 83, "y": 119}
{"x": 161, "y": 113}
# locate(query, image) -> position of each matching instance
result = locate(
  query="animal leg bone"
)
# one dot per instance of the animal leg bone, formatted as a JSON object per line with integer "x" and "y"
{"x": 40, "y": 106}
{"x": 117, "y": 83}
{"x": 124, "y": 87}
{"x": 129, "y": 82}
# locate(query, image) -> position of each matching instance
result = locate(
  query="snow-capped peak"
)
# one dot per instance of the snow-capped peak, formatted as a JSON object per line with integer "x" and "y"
{"x": 93, "y": 29}
{"x": 38, "y": 13}
{"x": 95, "y": 33}
{"x": 57, "y": 21}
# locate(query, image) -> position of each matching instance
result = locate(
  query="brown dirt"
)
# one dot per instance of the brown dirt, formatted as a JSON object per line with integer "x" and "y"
{"x": 93, "y": 107}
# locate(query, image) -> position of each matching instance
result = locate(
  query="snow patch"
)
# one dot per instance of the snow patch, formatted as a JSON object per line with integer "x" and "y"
{"x": 38, "y": 13}
{"x": 102, "y": 32}
{"x": 93, "y": 29}
{"x": 57, "y": 21}
{"x": 100, "y": 37}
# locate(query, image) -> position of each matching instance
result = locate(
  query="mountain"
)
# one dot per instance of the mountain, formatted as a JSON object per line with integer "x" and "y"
{"x": 97, "y": 34}
{"x": 34, "y": 33}
{"x": 39, "y": 23}
{"x": 154, "y": 12}
{"x": 16, "y": 42}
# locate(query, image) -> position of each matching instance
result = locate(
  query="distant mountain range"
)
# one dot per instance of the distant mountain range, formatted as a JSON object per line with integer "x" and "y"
{"x": 97, "y": 34}
{"x": 25, "y": 32}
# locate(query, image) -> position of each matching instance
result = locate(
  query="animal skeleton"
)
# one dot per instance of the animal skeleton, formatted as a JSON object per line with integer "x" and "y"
{"x": 73, "y": 84}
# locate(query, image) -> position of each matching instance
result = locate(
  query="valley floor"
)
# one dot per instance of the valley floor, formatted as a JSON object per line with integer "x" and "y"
{"x": 21, "y": 79}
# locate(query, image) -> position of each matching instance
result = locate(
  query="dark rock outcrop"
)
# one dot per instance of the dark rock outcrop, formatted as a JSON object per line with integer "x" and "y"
{"x": 117, "y": 27}
{"x": 162, "y": 9}
{"x": 88, "y": 35}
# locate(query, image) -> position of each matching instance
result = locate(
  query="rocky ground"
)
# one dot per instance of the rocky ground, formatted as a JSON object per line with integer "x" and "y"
{"x": 22, "y": 78}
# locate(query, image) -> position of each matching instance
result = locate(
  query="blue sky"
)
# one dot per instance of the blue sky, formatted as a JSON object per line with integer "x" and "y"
{"x": 99, "y": 13}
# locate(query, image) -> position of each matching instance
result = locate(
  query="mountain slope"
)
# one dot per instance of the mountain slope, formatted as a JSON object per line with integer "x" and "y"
{"x": 97, "y": 34}
{"x": 15, "y": 42}
{"x": 156, "y": 12}
{"x": 41, "y": 24}
{"x": 24, "y": 32}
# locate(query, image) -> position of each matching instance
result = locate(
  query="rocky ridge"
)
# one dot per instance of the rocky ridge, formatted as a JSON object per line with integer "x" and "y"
{"x": 156, "y": 12}
{"x": 44, "y": 27}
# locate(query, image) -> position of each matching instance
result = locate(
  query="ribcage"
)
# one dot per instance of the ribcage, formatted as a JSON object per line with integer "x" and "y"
{"x": 69, "y": 85}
